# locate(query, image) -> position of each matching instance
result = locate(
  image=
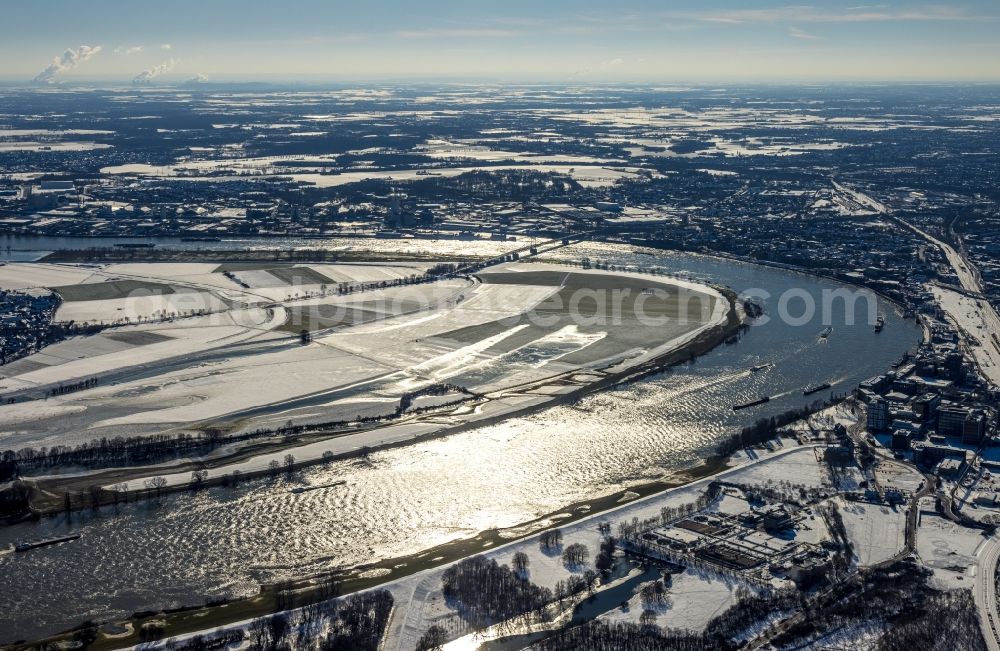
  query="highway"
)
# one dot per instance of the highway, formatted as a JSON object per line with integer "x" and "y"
{"x": 986, "y": 352}
{"x": 984, "y": 592}
{"x": 964, "y": 270}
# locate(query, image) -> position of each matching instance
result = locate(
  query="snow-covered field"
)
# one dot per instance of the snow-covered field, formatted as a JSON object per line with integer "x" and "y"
{"x": 25, "y": 275}
{"x": 800, "y": 470}
{"x": 149, "y": 344}
{"x": 137, "y": 307}
{"x": 241, "y": 361}
{"x": 899, "y": 476}
{"x": 876, "y": 531}
{"x": 948, "y": 549}
{"x": 695, "y": 598}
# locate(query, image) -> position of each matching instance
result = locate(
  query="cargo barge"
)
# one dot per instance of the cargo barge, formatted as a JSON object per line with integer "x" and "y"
{"x": 808, "y": 391}
{"x": 747, "y": 405}
{"x": 27, "y": 546}
{"x": 298, "y": 490}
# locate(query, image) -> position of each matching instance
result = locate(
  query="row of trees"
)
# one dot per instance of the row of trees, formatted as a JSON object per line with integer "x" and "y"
{"x": 766, "y": 429}
{"x": 345, "y": 288}
{"x": 63, "y": 389}
{"x": 632, "y": 529}
{"x": 215, "y": 641}
{"x": 783, "y": 491}
{"x": 155, "y": 448}
{"x": 119, "y": 451}
{"x": 598, "y": 635}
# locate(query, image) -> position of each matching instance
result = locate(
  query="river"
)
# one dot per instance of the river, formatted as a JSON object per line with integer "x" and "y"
{"x": 223, "y": 542}
{"x": 27, "y": 248}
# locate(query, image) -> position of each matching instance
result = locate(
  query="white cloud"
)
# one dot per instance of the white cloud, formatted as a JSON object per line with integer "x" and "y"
{"x": 129, "y": 51}
{"x": 795, "y": 32}
{"x": 70, "y": 59}
{"x": 155, "y": 71}
{"x": 458, "y": 33}
{"x": 166, "y": 46}
{"x": 810, "y": 14}
{"x": 603, "y": 66}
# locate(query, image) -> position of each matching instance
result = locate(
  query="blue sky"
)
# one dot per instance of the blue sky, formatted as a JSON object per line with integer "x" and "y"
{"x": 513, "y": 40}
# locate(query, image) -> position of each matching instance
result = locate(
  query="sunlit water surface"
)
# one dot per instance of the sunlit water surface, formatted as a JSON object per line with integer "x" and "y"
{"x": 226, "y": 541}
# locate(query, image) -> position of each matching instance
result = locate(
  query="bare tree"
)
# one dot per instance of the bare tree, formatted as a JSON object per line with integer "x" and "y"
{"x": 654, "y": 595}
{"x": 433, "y": 639}
{"x": 520, "y": 563}
{"x": 95, "y": 496}
{"x": 550, "y": 540}
{"x": 122, "y": 490}
{"x": 157, "y": 483}
{"x": 260, "y": 634}
{"x": 198, "y": 478}
{"x": 278, "y": 628}
{"x": 575, "y": 555}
